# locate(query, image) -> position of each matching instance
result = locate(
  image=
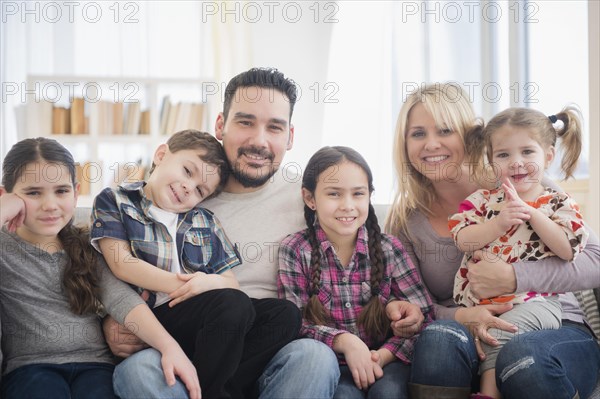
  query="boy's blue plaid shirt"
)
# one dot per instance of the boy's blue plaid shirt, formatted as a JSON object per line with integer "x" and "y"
{"x": 122, "y": 213}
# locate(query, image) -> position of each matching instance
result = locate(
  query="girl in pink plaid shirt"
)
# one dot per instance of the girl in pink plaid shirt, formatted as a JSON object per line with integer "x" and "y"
{"x": 342, "y": 271}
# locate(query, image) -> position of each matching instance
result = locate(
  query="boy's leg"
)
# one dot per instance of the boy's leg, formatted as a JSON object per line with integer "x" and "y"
{"x": 277, "y": 323}
{"x": 211, "y": 328}
{"x": 92, "y": 381}
{"x": 393, "y": 384}
{"x": 36, "y": 381}
{"x": 303, "y": 369}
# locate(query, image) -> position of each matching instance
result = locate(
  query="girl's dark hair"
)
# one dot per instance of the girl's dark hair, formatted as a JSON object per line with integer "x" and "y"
{"x": 372, "y": 318}
{"x": 80, "y": 277}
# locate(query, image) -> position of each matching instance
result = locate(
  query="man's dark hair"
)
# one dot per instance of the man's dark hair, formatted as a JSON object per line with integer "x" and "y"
{"x": 260, "y": 77}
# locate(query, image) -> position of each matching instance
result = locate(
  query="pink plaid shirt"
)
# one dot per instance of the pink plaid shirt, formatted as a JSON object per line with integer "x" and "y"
{"x": 345, "y": 291}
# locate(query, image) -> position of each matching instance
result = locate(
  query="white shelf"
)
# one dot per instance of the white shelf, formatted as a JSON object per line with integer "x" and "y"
{"x": 108, "y": 151}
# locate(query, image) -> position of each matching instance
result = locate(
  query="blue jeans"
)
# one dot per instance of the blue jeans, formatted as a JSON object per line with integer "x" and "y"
{"x": 67, "y": 380}
{"x": 392, "y": 385}
{"x": 538, "y": 364}
{"x": 304, "y": 368}
{"x": 565, "y": 361}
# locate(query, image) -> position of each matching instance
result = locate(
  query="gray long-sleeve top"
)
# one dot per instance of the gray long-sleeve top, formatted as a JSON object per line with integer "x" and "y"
{"x": 37, "y": 323}
{"x": 437, "y": 259}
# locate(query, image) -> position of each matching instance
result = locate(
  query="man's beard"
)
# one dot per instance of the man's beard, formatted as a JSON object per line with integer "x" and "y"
{"x": 256, "y": 178}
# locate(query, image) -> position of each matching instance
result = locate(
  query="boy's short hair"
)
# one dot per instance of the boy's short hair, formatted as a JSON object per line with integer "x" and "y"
{"x": 191, "y": 139}
{"x": 266, "y": 78}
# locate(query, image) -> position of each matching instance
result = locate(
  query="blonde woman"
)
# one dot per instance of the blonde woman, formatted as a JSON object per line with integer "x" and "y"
{"x": 433, "y": 179}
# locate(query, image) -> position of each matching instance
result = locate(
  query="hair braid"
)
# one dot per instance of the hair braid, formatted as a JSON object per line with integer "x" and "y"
{"x": 314, "y": 310}
{"x": 373, "y": 317}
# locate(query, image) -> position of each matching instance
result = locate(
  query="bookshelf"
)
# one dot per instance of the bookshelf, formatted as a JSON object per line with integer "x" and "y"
{"x": 112, "y": 125}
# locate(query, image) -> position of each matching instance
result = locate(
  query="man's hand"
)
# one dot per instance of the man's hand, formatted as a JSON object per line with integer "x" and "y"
{"x": 406, "y": 318}
{"x": 122, "y": 342}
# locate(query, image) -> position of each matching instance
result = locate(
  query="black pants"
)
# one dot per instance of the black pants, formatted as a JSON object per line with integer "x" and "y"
{"x": 230, "y": 337}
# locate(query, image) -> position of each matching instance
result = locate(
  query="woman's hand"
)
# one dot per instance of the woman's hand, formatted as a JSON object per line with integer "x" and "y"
{"x": 489, "y": 276}
{"x": 406, "y": 318}
{"x": 365, "y": 371}
{"x": 480, "y": 318}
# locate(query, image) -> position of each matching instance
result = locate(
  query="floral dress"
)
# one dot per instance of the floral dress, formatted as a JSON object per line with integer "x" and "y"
{"x": 520, "y": 242}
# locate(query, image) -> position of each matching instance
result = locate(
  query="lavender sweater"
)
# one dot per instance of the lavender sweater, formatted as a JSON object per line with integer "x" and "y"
{"x": 438, "y": 259}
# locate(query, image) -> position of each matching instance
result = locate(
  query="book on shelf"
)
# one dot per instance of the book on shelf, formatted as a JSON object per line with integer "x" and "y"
{"x": 102, "y": 118}
{"x": 180, "y": 116}
{"x": 117, "y": 118}
{"x": 164, "y": 115}
{"x": 78, "y": 116}
{"x": 61, "y": 120}
{"x": 145, "y": 123}
{"x": 133, "y": 119}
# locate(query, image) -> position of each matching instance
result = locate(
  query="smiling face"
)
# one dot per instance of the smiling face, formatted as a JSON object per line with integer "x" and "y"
{"x": 255, "y": 136}
{"x": 435, "y": 152}
{"x": 521, "y": 159}
{"x": 341, "y": 201}
{"x": 180, "y": 180}
{"x": 50, "y": 199}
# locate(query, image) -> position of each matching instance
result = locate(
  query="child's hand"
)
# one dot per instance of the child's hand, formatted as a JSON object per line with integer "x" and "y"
{"x": 365, "y": 371}
{"x": 175, "y": 363}
{"x": 195, "y": 284}
{"x": 406, "y": 318}
{"x": 512, "y": 214}
{"x": 378, "y": 359}
{"x": 515, "y": 211}
{"x": 12, "y": 209}
{"x": 512, "y": 195}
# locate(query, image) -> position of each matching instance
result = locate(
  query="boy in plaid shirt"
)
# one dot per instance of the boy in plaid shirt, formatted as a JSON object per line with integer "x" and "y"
{"x": 153, "y": 235}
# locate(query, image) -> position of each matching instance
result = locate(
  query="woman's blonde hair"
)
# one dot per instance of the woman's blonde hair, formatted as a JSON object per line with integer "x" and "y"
{"x": 451, "y": 109}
